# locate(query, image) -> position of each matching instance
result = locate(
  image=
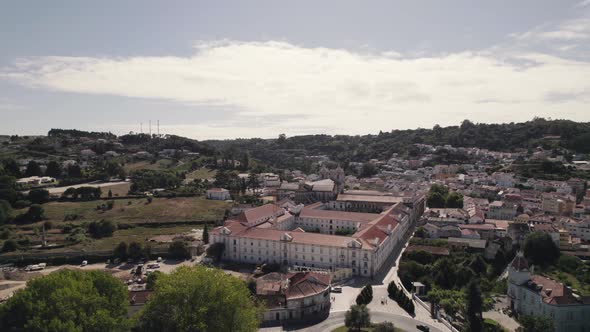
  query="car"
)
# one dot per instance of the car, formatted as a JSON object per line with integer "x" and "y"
{"x": 153, "y": 266}
{"x": 423, "y": 328}
{"x": 336, "y": 289}
{"x": 84, "y": 263}
{"x": 159, "y": 259}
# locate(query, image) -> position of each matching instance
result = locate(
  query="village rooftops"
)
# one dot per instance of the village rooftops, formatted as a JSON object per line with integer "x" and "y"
{"x": 554, "y": 292}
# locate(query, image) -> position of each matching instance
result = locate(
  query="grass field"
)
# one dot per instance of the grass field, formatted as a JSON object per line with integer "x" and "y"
{"x": 159, "y": 165}
{"x": 201, "y": 173}
{"x": 139, "y": 211}
{"x": 117, "y": 190}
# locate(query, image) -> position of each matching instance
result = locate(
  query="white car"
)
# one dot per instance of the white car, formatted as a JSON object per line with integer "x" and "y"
{"x": 84, "y": 263}
{"x": 336, "y": 289}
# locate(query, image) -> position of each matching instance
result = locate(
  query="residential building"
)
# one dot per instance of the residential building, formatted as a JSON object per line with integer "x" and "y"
{"x": 501, "y": 210}
{"x": 219, "y": 194}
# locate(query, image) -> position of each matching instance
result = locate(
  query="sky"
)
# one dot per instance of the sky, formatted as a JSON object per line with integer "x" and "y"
{"x": 228, "y": 69}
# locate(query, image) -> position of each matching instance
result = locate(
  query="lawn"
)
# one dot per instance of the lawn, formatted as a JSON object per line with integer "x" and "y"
{"x": 570, "y": 280}
{"x": 161, "y": 164}
{"x": 138, "y": 210}
{"x": 135, "y": 234}
{"x": 201, "y": 173}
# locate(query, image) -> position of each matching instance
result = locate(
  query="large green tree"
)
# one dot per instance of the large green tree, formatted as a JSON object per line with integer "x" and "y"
{"x": 199, "y": 299}
{"x": 357, "y": 317}
{"x": 68, "y": 300}
{"x": 540, "y": 249}
{"x": 53, "y": 169}
{"x": 33, "y": 169}
{"x": 474, "y": 306}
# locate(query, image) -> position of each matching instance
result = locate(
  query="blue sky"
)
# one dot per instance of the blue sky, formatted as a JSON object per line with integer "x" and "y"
{"x": 223, "y": 69}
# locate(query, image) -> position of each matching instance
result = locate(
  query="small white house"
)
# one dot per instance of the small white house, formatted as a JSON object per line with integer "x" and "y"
{"x": 218, "y": 194}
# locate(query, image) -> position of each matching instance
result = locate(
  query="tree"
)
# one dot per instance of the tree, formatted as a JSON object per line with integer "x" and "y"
{"x": 38, "y": 196}
{"x": 384, "y": 327}
{"x": 11, "y": 168}
{"x": 535, "y": 323}
{"x": 68, "y": 300}
{"x": 9, "y": 245}
{"x": 120, "y": 250}
{"x": 206, "y": 234}
{"x": 540, "y": 249}
{"x": 357, "y": 317}
{"x": 74, "y": 171}
{"x": 454, "y": 200}
{"x": 179, "y": 249}
{"x": 368, "y": 170}
{"x": 199, "y": 299}
{"x": 5, "y": 212}
{"x": 435, "y": 200}
{"x": 110, "y": 194}
{"x": 135, "y": 251}
{"x": 365, "y": 296}
{"x": 103, "y": 228}
{"x": 35, "y": 213}
{"x": 53, "y": 169}
{"x": 150, "y": 283}
{"x": 474, "y": 305}
{"x": 33, "y": 169}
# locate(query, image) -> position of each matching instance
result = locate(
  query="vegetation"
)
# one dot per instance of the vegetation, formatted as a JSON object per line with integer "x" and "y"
{"x": 357, "y": 317}
{"x": 179, "y": 249}
{"x": 535, "y": 323}
{"x": 401, "y": 298}
{"x": 146, "y": 179}
{"x": 366, "y": 295}
{"x": 199, "y": 299}
{"x": 439, "y": 197}
{"x": 68, "y": 300}
{"x": 103, "y": 228}
{"x": 540, "y": 249}
{"x": 474, "y": 307}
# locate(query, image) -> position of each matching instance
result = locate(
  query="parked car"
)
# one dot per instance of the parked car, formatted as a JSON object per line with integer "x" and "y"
{"x": 84, "y": 263}
{"x": 336, "y": 289}
{"x": 153, "y": 266}
{"x": 159, "y": 259}
{"x": 423, "y": 328}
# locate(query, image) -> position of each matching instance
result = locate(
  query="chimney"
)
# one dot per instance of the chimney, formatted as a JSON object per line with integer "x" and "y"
{"x": 376, "y": 241}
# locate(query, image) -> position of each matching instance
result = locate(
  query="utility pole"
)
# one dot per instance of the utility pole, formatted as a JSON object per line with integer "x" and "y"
{"x": 158, "y": 128}
{"x": 150, "y": 128}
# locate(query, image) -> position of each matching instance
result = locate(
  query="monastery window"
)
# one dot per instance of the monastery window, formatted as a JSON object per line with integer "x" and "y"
{"x": 234, "y": 242}
{"x": 330, "y": 260}
{"x": 303, "y": 256}
{"x": 296, "y": 256}
{"x": 353, "y": 254}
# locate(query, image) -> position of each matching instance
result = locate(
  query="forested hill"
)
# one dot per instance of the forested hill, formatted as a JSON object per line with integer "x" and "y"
{"x": 574, "y": 136}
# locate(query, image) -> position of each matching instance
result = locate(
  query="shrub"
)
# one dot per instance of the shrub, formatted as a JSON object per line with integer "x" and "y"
{"x": 103, "y": 228}
{"x": 9, "y": 245}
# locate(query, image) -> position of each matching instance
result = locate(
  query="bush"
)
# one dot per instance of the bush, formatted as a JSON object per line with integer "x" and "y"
{"x": 179, "y": 249}
{"x": 71, "y": 216}
{"x": 9, "y": 245}
{"x": 38, "y": 196}
{"x": 103, "y": 228}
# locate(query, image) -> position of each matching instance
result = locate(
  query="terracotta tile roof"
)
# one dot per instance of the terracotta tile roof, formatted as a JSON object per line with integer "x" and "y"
{"x": 367, "y": 198}
{"x": 481, "y": 227}
{"x": 554, "y": 292}
{"x": 300, "y": 284}
{"x": 337, "y": 215}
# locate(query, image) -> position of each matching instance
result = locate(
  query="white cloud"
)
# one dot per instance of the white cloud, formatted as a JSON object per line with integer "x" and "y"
{"x": 583, "y": 3}
{"x": 309, "y": 90}
{"x": 575, "y": 29}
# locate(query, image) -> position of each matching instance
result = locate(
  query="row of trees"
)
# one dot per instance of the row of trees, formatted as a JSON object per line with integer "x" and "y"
{"x": 365, "y": 296}
{"x": 401, "y": 298}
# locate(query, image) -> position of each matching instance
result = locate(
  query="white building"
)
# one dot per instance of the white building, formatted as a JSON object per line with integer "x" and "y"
{"x": 540, "y": 296}
{"x": 219, "y": 194}
{"x": 260, "y": 236}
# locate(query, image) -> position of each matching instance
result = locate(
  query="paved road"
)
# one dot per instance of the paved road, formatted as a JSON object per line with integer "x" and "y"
{"x": 336, "y": 319}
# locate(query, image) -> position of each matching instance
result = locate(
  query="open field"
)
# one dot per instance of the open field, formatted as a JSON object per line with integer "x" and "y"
{"x": 137, "y": 210}
{"x": 138, "y": 234}
{"x": 201, "y": 173}
{"x": 145, "y": 164}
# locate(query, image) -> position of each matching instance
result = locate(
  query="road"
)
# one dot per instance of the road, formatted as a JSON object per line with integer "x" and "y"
{"x": 336, "y": 319}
